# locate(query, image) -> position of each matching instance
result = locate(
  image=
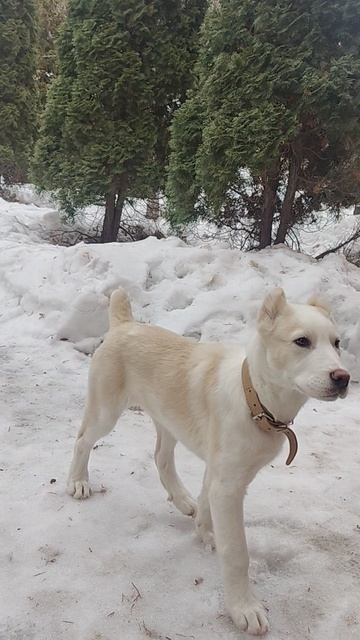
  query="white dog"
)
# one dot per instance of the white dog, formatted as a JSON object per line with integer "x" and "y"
{"x": 195, "y": 393}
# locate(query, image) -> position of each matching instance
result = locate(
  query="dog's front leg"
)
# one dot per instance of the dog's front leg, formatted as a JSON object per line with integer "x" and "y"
{"x": 226, "y": 503}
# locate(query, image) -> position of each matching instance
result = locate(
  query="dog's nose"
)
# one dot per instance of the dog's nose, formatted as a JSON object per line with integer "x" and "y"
{"x": 340, "y": 378}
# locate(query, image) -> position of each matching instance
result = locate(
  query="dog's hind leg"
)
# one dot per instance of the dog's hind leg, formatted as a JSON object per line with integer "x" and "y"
{"x": 104, "y": 405}
{"x": 165, "y": 462}
{"x": 93, "y": 427}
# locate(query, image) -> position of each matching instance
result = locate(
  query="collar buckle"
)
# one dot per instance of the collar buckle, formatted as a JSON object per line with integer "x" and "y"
{"x": 260, "y": 416}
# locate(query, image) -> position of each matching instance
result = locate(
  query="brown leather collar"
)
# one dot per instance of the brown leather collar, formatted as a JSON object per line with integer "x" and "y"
{"x": 263, "y": 418}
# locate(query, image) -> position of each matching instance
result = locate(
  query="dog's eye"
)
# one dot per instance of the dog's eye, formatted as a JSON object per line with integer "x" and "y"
{"x": 303, "y": 342}
{"x": 337, "y": 343}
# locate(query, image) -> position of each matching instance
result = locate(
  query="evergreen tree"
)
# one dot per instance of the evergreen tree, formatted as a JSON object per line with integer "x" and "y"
{"x": 272, "y": 128}
{"x": 17, "y": 87}
{"x": 51, "y": 14}
{"x": 124, "y": 67}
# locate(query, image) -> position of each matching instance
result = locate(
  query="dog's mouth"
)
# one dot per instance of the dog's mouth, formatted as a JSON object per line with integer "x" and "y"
{"x": 332, "y": 395}
{"x": 328, "y": 395}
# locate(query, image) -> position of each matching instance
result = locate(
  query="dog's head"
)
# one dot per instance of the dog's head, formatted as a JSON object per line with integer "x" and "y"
{"x": 302, "y": 347}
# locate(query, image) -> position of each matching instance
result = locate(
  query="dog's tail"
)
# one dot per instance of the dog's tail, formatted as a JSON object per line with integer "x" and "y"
{"x": 120, "y": 308}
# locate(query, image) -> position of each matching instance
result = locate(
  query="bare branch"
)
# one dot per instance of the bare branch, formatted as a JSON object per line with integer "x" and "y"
{"x": 354, "y": 236}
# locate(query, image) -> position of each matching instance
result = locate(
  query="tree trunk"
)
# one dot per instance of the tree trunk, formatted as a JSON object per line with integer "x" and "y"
{"x": 107, "y": 234}
{"x": 287, "y": 214}
{"x": 118, "y": 213}
{"x": 270, "y": 181}
{"x": 153, "y": 207}
{"x": 114, "y": 204}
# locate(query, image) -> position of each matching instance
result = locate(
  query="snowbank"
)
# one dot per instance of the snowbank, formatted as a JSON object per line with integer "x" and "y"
{"x": 205, "y": 292}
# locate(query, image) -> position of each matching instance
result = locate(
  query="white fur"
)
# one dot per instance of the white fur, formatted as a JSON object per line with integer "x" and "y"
{"x": 194, "y": 394}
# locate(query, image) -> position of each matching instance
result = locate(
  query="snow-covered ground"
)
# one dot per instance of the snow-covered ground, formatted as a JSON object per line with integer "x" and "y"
{"x": 126, "y": 565}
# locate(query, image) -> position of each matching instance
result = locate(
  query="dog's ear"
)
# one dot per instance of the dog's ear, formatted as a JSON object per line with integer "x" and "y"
{"x": 272, "y": 307}
{"x": 320, "y": 304}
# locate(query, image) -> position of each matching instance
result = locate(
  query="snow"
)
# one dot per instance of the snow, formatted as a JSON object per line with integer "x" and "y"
{"x": 125, "y": 564}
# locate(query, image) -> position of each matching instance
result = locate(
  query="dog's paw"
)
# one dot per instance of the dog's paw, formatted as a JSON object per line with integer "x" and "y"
{"x": 79, "y": 489}
{"x": 205, "y": 533}
{"x": 185, "y": 503}
{"x": 249, "y": 615}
